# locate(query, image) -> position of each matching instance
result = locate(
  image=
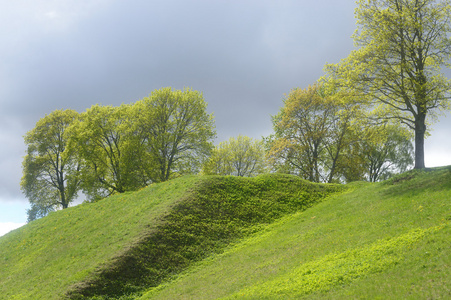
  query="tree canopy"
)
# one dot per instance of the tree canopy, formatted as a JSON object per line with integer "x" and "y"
{"x": 388, "y": 155}
{"x": 323, "y": 134}
{"x": 175, "y": 130}
{"x": 108, "y": 149}
{"x": 240, "y": 156}
{"x": 102, "y": 139}
{"x": 402, "y": 45}
{"x": 311, "y": 132}
{"x": 50, "y": 170}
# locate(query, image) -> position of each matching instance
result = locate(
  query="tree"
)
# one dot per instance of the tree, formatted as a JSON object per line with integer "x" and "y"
{"x": 311, "y": 132}
{"x": 103, "y": 139}
{"x": 241, "y": 156}
{"x": 384, "y": 157}
{"x": 50, "y": 170}
{"x": 402, "y": 46}
{"x": 175, "y": 130}
{"x": 380, "y": 152}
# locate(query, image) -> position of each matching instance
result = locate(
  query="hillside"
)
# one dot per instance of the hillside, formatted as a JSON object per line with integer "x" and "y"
{"x": 269, "y": 237}
{"x": 127, "y": 243}
{"x": 388, "y": 240}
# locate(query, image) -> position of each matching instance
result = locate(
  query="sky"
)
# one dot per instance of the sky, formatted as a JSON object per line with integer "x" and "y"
{"x": 244, "y": 55}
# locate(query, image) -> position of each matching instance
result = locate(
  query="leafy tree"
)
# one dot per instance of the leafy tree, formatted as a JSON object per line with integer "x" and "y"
{"x": 50, "y": 170}
{"x": 379, "y": 152}
{"x": 175, "y": 130}
{"x": 311, "y": 132}
{"x": 103, "y": 140}
{"x": 387, "y": 156}
{"x": 402, "y": 46}
{"x": 241, "y": 156}
{"x": 300, "y": 129}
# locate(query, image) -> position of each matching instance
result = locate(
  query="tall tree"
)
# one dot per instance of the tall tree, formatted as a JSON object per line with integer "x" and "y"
{"x": 241, "y": 156}
{"x": 50, "y": 170}
{"x": 402, "y": 45}
{"x": 176, "y": 131}
{"x": 312, "y": 130}
{"x": 104, "y": 141}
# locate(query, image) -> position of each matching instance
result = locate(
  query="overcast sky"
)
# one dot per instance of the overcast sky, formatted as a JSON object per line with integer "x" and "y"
{"x": 243, "y": 55}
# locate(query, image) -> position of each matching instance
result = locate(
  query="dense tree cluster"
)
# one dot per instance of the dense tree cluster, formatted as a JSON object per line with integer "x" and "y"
{"x": 107, "y": 149}
{"x": 323, "y": 135}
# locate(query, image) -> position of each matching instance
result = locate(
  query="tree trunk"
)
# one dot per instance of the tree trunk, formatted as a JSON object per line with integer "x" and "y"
{"x": 420, "y": 129}
{"x": 64, "y": 202}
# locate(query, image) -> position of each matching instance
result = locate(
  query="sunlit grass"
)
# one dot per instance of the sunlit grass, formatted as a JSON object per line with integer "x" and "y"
{"x": 42, "y": 259}
{"x": 387, "y": 240}
{"x": 246, "y": 239}
{"x": 122, "y": 244}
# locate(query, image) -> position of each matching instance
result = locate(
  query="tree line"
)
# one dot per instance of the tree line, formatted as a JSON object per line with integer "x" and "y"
{"x": 108, "y": 149}
{"x": 323, "y": 135}
{"x": 355, "y": 123}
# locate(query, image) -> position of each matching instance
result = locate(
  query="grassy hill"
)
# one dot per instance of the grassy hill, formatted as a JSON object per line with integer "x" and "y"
{"x": 270, "y": 237}
{"x": 129, "y": 242}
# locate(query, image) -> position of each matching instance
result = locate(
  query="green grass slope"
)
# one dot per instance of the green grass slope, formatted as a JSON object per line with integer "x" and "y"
{"x": 122, "y": 245}
{"x": 389, "y": 240}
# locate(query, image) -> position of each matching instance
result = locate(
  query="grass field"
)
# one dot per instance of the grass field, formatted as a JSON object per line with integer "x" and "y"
{"x": 270, "y": 237}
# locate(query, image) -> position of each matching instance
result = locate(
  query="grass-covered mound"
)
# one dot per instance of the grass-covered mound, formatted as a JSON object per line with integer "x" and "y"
{"x": 130, "y": 242}
{"x": 389, "y": 240}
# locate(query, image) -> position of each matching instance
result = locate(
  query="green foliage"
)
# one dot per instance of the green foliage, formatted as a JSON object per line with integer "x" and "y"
{"x": 116, "y": 149}
{"x": 402, "y": 46}
{"x": 104, "y": 142}
{"x": 241, "y": 156}
{"x": 312, "y": 131}
{"x": 381, "y": 151}
{"x": 50, "y": 170}
{"x": 175, "y": 130}
{"x": 387, "y": 156}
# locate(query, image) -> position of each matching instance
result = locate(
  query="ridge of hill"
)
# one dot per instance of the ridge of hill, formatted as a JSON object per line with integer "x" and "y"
{"x": 120, "y": 246}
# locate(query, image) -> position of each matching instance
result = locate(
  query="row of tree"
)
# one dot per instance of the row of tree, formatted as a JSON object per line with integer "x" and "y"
{"x": 360, "y": 112}
{"x": 317, "y": 135}
{"x": 322, "y": 135}
{"x": 107, "y": 149}
{"x": 355, "y": 123}
{"x": 393, "y": 78}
